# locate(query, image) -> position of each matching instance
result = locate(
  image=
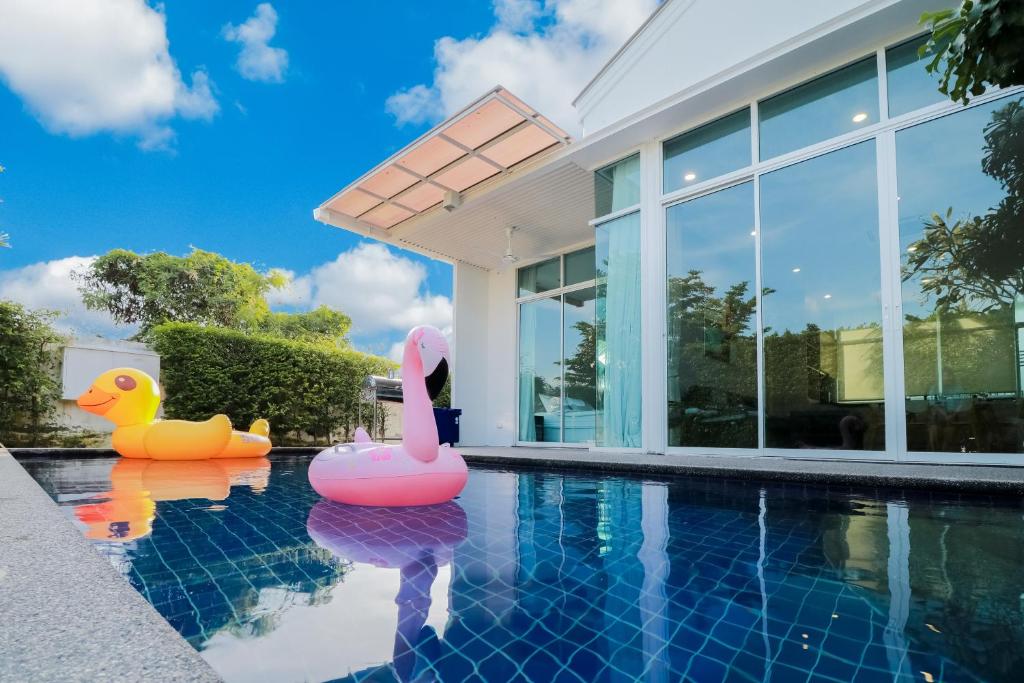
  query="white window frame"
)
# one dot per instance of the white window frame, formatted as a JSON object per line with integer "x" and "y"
{"x": 883, "y": 133}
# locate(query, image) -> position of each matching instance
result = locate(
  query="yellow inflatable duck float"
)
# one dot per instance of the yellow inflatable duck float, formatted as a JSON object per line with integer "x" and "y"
{"x": 129, "y": 398}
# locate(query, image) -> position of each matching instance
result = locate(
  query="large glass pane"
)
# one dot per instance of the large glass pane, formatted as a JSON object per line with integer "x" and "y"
{"x": 580, "y": 339}
{"x": 910, "y": 85}
{"x": 961, "y": 214}
{"x": 821, "y": 304}
{"x": 834, "y": 104}
{"x": 617, "y": 186}
{"x": 579, "y": 266}
{"x": 711, "y": 150}
{"x": 540, "y": 277}
{"x": 618, "y": 332}
{"x": 540, "y": 370}
{"x": 712, "y": 329}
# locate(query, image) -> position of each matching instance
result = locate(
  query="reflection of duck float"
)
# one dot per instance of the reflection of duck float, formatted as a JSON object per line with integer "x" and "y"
{"x": 415, "y": 472}
{"x": 129, "y": 398}
{"x": 136, "y": 486}
{"x": 416, "y": 540}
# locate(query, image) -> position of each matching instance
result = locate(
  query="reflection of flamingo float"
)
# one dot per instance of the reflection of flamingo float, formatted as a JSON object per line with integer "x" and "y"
{"x": 415, "y": 472}
{"x": 416, "y": 540}
{"x": 137, "y": 485}
{"x": 129, "y": 398}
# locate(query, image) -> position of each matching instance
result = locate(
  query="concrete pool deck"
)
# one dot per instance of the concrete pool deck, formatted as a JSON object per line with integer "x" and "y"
{"x": 65, "y": 612}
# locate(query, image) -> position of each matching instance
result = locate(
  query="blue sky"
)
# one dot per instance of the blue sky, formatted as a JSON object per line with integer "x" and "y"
{"x": 229, "y": 134}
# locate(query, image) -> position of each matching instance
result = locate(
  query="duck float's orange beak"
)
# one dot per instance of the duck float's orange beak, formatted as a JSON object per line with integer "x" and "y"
{"x": 96, "y": 401}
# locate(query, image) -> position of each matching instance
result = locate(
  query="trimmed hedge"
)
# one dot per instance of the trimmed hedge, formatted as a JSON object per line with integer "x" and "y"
{"x": 300, "y": 387}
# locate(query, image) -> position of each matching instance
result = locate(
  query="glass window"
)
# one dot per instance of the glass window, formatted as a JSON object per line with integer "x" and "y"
{"x": 540, "y": 370}
{"x": 617, "y": 186}
{"x": 540, "y": 277}
{"x": 821, "y": 303}
{"x": 712, "y": 326}
{"x": 618, "y": 332}
{"x": 910, "y": 85}
{"x": 579, "y": 266}
{"x": 837, "y": 103}
{"x": 962, "y": 243}
{"x": 580, "y": 341}
{"x": 711, "y": 150}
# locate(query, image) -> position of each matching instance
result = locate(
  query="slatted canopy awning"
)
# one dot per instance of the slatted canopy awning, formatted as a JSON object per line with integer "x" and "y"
{"x": 487, "y": 139}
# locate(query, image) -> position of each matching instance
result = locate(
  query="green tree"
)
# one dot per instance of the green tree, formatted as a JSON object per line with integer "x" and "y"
{"x": 29, "y": 385}
{"x": 321, "y": 325}
{"x": 977, "y": 263}
{"x": 976, "y": 46}
{"x": 152, "y": 289}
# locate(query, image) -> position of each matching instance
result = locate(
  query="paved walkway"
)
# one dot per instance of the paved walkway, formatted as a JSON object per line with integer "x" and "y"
{"x": 898, "y": 475}
{"x": 65, "y": 613}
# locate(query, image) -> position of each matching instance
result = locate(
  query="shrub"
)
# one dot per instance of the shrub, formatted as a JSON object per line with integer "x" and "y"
{"x": 29, "y": 380}
{"x": 300, "y": 387}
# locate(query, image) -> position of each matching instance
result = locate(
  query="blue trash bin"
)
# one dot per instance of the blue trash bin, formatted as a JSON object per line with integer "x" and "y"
{"x": 447, "y": 420}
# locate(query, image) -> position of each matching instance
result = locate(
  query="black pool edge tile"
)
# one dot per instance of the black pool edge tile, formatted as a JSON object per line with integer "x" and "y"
{"x": 68, "y": 614}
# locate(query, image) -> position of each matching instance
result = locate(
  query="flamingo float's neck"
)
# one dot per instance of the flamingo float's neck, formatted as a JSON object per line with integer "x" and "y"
{"x": 419, "y": 431}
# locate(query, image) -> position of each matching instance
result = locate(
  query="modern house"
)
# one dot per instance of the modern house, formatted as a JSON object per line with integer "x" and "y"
{"x": 775, "y": 238}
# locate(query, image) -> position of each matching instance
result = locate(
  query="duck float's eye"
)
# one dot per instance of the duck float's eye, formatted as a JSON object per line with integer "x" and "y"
{"x": 125, "y": 383}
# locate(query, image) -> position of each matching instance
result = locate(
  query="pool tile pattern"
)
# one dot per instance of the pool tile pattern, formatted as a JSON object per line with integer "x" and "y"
{"x": 545, "y": 576}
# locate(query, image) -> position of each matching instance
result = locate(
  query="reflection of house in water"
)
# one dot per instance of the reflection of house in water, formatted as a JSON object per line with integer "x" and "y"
{"x": 646, "y": 581}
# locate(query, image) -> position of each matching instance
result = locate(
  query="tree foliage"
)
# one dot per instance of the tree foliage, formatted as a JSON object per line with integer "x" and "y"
{"x": 300, "y": 387}
{"x": 152, "y": 289}
{"x": 977, "y": 263}
{"x": 29, "y": 381}
{"x": 976, "y": 46}
{"x": 321, "y": 325}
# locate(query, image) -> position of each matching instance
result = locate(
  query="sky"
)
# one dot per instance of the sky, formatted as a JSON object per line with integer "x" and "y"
{"x": 162, "y": 127}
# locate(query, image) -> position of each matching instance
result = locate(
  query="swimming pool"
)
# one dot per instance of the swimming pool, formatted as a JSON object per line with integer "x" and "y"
{"x": 551, "y": 576}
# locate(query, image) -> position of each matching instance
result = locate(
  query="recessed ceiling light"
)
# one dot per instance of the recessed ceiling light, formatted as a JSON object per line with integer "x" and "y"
{"x": 860, "y": 117}
{"x": 828, "y": 296}
{"x": 911, "y": 249}
{"x": 796, "y": 270}
{"x": 753, "y": 232}
{"x": 690, "y": 176}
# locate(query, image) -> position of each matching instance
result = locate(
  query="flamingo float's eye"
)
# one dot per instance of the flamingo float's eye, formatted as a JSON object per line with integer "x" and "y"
{"x": 125, "y": 383}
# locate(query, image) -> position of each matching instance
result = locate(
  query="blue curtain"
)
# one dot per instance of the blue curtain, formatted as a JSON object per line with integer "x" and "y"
{"x": 618, "y": 333}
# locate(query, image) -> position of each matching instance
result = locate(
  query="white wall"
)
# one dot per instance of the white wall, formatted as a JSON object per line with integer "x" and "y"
{"x": 694, "y": 43}
{"x": 483, "y": 376}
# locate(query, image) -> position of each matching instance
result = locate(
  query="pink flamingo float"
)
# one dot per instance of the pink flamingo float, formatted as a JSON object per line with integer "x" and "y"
{"x": 416, "y": 472}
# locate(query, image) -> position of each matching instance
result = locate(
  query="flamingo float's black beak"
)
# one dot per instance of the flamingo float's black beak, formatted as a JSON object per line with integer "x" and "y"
{"x": 436, "y": 379}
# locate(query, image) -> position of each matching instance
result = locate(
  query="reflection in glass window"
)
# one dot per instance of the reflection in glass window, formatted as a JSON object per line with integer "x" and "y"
{"x": 821, "y": 303}
{"x": 961, "y": 216}
{"x": 618, "y": 332}
{"x": 540, "y": 370}
{"x": 617, "y": 186}
{"x": 579, "y": 266}
{"x": 540, "y": 277}
{"x": 837, "y": 103}
{"x": 910, "y": 85}
{"x": 580, "y": 341}
{"x": 712, "y": 342}
{"x": 711, "y": 150}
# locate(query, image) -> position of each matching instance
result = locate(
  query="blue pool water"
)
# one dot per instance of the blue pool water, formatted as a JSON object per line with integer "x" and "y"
{"x": 548, "y": 576}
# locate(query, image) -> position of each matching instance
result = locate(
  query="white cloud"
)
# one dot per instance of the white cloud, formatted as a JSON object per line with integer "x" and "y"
{"x": 543, "y": 54}
{"x": 49, "y": 285}
{"x": 380, "y": 290}
{"x": 89, "y": 66}
{"x": 258, "y": 61}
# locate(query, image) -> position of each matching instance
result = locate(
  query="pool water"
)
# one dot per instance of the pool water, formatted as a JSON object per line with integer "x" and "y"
{"x": 550, "y": 576}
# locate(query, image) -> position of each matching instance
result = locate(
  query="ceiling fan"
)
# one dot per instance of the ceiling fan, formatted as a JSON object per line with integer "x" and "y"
{"x": 509, "y": 256}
